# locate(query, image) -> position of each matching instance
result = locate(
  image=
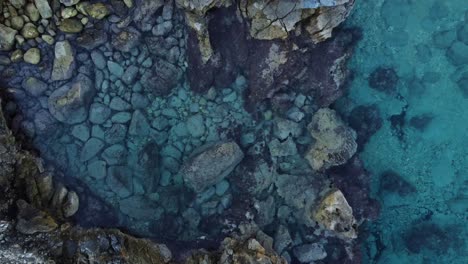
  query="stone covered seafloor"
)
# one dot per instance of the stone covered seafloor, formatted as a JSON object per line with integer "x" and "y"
{"x": 179, "y": 122}
{"x": 411, "y": 69}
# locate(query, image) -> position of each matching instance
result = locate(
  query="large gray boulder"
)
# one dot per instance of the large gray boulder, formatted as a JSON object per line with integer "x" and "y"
{"x": 70, "y": 103}
{"x": 210, "y": 164}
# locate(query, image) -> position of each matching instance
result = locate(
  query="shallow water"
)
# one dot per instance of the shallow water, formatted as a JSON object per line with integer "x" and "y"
{"x": 418, "y": 158}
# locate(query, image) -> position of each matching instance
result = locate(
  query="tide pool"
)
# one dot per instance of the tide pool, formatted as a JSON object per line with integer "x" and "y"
{"x": 412, "y": 63}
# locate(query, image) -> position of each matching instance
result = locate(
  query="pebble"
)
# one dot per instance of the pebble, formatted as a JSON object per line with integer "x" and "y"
{"x": 119, "y": 104}
{"x": 98, "y": 113}
{"x": 115, "y": 68}
{"x": 29, "y": 31}
{"x": 97, "y": 169}
{"x": 122, "y": 117}
{"x": 196, "y": 126}
{"x": 91, "y": 148}
{"x": 98, "y": 59}
{"x": 81, "y": 132}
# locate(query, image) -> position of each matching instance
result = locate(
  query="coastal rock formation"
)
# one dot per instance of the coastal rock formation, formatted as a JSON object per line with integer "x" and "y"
{"x": 335, "y": 214}
{"x": 335, "y": 141}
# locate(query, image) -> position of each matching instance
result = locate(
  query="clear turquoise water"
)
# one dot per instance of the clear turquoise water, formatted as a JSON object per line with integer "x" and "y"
{"x": 424, "y": 217}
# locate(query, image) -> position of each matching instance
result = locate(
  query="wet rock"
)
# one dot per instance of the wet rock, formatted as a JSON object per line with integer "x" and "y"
{"x": 18, "y": 4}
{"x": 29, "y": 31}
{"x": 92, "y": 38}
{"x": 266, "y": 211}
{"x": 32, "y": 56}
{"x": 115, "y": 134}
{"x": 126, "y": 40}
{"x": 458, "y": 53}
{"x": 32, "y": 220}
{"x": 210, "y": 164}
{"x": 81, "y": 132}
{"x": 130, "y": 74}
{"x": 98, "y": 59}
{"x": 44, "y": 122}
{"x": 383, "y": 79}
{"x": 139, "y": 207}
{"x": 17, "y": 22}
{"x": 71, "y": 25}
{"x": 71, "y": 204}
{"x": 297, "y": 191}
{"x": 118, "y": 104}
{"x": 162, "y": 78}
{"x": 120, "y": 180}
{"x": 139, "y": 101}
{"x": 34, "y": 86}
{"x": 69, "y": 104}
{"x": 97, "y": 169}
{"x": 144, "y": 13}
{"x": 121, "y": 117}
{"x": 308, "y": 253}
{"x": 282, "y": 149}
{"x": 99, "y": 113}
{"x": 7, "y": 38}
{"x": 32, "y": 12}
{"x": 335, "y": 142}
{"x": 64, "y": 61}
{"x": 196, "y": 126}
{"x": 115, "y": 154}
{"x": 69, "y": 2}
{"x": 284, "y": 128}
{"x": 44, "y": 8}
{"x": 335, "y": 214}
{"x": 115, "y": 68}
{"x": 139, "y": 125}
{"x": 92, "y": 147}
{"x": 97, "y": 10}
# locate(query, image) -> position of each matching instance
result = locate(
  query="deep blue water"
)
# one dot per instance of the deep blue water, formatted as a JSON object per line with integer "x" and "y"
{"x": 418, "y": 159}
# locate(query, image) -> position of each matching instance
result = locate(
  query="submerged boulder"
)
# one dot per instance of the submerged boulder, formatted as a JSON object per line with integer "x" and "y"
{"x": 211, "y": 163}
{"x": 64, "y": 61}
{"x": 70, "y": 103}
{"x": 335, "y": 214}
{"x": 335, "y": 141}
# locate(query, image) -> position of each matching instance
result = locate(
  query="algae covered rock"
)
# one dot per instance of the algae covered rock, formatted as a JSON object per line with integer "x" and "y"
{"x": 7, "y": 38}
{"x": 211, "y": 163}
{"x": 335, "y": 214}
{"x": 335, "y": 141}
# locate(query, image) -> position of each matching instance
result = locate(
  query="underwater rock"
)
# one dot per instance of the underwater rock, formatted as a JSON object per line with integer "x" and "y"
{"x": 139, "y": 125}
{"x": 366, "y": 121}
{"x": 64, "y": 61}
{"x": 383, "y": 79}
{"x": 309, "y": 252}
{"x": 210, "y": 164}
{"x": 91, "y": 148}
{"x": 296, "y": 190}
{"x": 390, "y": 181}
{"x": 44, "y": 8}
{"x": 420, "y": 122}
{"x": 98, "y": 113}
{"x": 462, "y": 83}
{"x": 143, "y": 14}
{"x": 335, "y": 214}
{"x": 126, "y": 40}
{"x": 254, "y": 175}
{"x": 44, "y": 122}
{"x": 282, "y": 149}
{"x": 284, "y": 128}
{"x": 34, "y": 86}
{"x": 282, "y": 239}
{"x": 161, "y": 78}
{"x": 7, "y": 38}
{"x": 139, "y": 207}
{"x": 69, "y": 104}
{"x": 335, "y": 141}
{"x": 443, "y": 39}
{"x": 115, "y": 154}
{"x": 97, "y": 10}
{"x": 115, "y": 134}
{"x": 92, "y": 38}
{"x": 458, "y": 53}
{"x": 120, "y": 180}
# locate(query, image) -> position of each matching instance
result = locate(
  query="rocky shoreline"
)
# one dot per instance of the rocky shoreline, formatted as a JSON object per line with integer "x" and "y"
{"x": 197, "y": 123}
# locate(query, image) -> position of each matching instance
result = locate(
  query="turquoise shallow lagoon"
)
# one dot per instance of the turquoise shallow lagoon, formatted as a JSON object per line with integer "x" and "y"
{"x": 418, "y": 158}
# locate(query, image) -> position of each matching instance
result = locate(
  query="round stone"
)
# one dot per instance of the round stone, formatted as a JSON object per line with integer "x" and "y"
{"x": 32, "y": 56}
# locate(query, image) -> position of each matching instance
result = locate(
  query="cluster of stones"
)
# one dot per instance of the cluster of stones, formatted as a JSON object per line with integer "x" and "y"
{"x": 27, "y": 26}
{"x": 110, "y": 109}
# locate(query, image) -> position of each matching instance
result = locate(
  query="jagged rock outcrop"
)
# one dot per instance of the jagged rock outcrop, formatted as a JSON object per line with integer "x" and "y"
{"x": 274, "y": 52}
{"x": 335, "y": 214}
